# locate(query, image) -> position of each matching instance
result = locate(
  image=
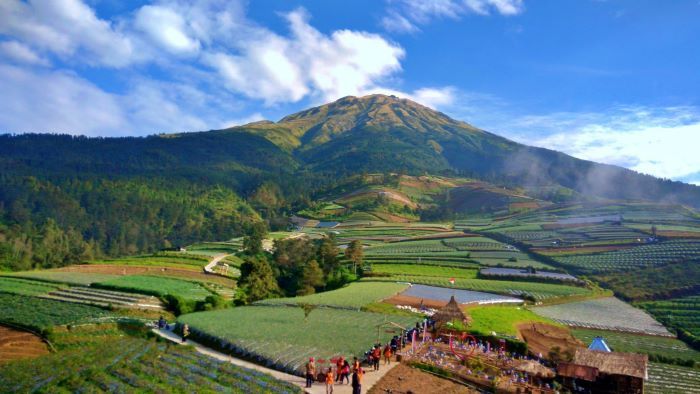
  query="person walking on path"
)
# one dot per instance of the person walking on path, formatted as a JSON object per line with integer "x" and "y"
{"x": 339, "y": 368}
{"x": 357, "y": 381}
{"x": 376, "y": 356}
{"x": 329, "y": 381}
{"x": 185, "y": 332}
{"x": 387, "y": 354}
{"x": 345, "y": 372}
{"x": 355, "y": 364}
{"x": 310, "y": 372}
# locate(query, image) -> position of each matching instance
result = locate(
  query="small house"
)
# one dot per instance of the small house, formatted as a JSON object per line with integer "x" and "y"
{"x": 449, "y": 313}
{"x": 596, "y": 371}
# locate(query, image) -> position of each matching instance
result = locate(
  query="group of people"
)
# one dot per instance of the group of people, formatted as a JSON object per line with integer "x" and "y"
{"x": 342, "y": 374}
{"x": 375, "y": 355}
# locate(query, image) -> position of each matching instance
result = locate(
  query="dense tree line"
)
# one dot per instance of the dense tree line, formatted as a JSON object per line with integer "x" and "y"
{"x": 297, "y": 266}
{"x": 56, "y": 223}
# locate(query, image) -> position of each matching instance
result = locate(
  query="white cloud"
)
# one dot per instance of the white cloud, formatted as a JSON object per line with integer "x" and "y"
{"x": 661, "y": 141}
{"x": 51, "y": 101}
{"x": 276, "y": 68}
{"x": 404, "y": 15}
{"x": 67, "y": 28}
{"x": 166, "y": 28}
{"x": 21, "y": 53}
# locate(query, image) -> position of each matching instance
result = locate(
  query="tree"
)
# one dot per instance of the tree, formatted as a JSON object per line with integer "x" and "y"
{"x": 355, "y": 253}
{"x": 257, "y": 279}
{"x": 312, "y": 277}
{"x": 307, "y": 308}
{"x": 328, "y": 254}
{"x": 252, "y": 242}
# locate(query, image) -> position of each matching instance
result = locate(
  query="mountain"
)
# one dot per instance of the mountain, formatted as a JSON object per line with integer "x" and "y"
{"x": 112, "y": 196}
{"x": 379, "y": 133}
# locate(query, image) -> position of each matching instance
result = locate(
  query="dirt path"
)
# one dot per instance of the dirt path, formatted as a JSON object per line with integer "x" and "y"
{"x": 370, "y": 379}
{"x": 209, "y": 268}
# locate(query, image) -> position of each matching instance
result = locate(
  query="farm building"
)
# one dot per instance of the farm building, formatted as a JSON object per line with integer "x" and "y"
{"x": 594, "y": 371}
{"x": 600, "y": 345}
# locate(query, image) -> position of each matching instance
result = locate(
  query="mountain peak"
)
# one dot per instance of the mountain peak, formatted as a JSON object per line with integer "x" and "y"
{"x": 374, "y": 112}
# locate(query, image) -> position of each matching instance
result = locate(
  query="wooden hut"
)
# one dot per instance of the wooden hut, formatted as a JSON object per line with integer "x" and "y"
{"x": 605, "y": 372}
{"x": 449, "y": 313}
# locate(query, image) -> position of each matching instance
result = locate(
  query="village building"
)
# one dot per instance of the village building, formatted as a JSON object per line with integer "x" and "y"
{"x": 600, "y": 371}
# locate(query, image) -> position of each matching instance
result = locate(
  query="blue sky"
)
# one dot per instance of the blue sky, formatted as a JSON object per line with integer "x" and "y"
{"x": 614, "y": 81}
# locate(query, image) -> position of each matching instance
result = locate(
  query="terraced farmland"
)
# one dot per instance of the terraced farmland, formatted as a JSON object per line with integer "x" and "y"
{"x": 672, "y": 379}
{"x": 38, "y": 313}
{"x": 76, "y": 278}
{"x": 25, "y": 287}
{"x": 135, "y": 365}
{"x": 639, "y": 257}
{"x": 282, "y": 339}
{"x": 604, "y": 313}
{"x": 670, "y": 348}
{"x": 159, "y": 286}
{"x": 683, "y": 313}
{"x": 18, "y": 345}
{"x": 352, "y": 296}
{"x": 538, "y": 291}
{"x": 426, "y": 270}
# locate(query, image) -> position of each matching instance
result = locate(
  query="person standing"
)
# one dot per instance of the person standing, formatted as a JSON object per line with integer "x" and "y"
{"x": 357, "y": 381}
{"x": 310, "y": 372}
{"x": 329, "y": 381}
{"x": 387, "y": 354}
{"x": 376, "y": 356}
{"x": 339, "y": 368}
{"x": 345, "y": 372}
{"x": 185, "y": 332}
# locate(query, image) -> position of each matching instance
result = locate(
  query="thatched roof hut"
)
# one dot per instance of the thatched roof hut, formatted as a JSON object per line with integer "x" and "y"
{"x": 534, "y": 368}
{"x": 449, "y": 313}
{"x": 615, "y": 363}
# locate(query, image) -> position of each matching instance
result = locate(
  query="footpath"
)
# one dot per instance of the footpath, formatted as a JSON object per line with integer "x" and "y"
{"x": 370, "y": 378}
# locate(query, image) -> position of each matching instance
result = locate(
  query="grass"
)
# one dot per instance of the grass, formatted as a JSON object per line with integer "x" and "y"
{"x": 502, "y": 319}
{"x": 354, "y": 296}
{"x": 25, "y": 287}
{"x": 132, "y": 364}
{"x": 424, "y": 270}
{"x": 73, "y": 278}
{"x": 670, "y": 348}
{"x": 282, "y": 337}
{"x": 158, "y": 286}
{"x": 40, "y": 314}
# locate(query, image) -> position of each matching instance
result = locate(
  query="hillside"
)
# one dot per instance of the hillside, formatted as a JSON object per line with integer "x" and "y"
{"x": 380, "y": 133}
{"x": 115, "y": 196}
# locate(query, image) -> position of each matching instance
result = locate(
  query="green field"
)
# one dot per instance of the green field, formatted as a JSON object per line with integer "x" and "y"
{"x": 164, "y": 259}
{"x": 39, "y": 314}
{"x": 502, "y": 319}
{"x": 682, "y": 313}
{"x": 354, "y": 296}
{"x": 281, "y": 336}
{"x": 424, "y": 270}
{"x": 126, "y": 364}
{"x": 74, "y": 278}
{"x": 670, "y": 348}
{"x": 156, "y": 285}
{"x": 25, "y": 287}
{"x": 540, "y": 291}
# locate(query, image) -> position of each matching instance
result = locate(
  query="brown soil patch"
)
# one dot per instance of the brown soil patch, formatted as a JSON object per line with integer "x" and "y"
{"x": 542, "y": 337}
{"x": 18, "y": 345}
{"x": 404, "y": 379}
{"x": 150, "y": 270}
{"x": 415, "y": 301}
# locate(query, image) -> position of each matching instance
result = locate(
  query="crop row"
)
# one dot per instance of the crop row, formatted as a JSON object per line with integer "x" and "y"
{"x": 283, "y": 338}
{"x": 135, "y": 365}
{"x": 672, "y": 379}
{"x": 25, "y": 287}
{"x": 38, "y": 313}
{"x": 353, "y": 296}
